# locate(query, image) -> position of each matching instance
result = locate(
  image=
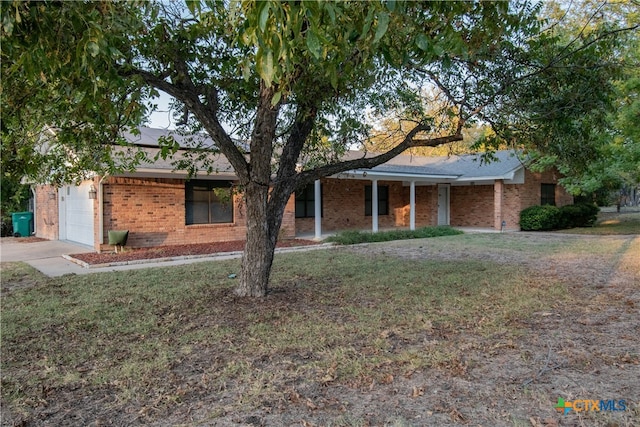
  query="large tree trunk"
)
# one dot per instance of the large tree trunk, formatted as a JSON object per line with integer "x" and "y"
{"x": 262, "y": 224}
{"x": 264, "y": 219}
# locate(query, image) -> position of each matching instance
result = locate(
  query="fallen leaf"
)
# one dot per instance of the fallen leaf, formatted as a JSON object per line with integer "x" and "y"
{"x": 417, "y": 391}
{"x": 388, "y": 379}
{"x": 311, "y": 405}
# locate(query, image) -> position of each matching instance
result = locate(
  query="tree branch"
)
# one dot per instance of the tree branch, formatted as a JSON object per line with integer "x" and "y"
{"x": 300, "y": 131}
{"x": 370, "y": 162}
{"x": 537, "y": 69}
{"x": 262, "y": 136}
{"x": 205, "y": 115}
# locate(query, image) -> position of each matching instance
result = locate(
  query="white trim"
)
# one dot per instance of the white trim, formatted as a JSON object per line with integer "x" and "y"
{"x": 412, "y": 206}
{"x": 35, "y": 209}
{"x": 101, "y": 211}
{"x": 318, "y": 209}
{"x": 374, "y": 205}
{"x": 444, "y": 212}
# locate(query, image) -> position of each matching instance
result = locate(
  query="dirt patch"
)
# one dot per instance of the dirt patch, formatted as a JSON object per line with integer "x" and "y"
{"x": 172, "y": 251}
{"x": 31, "y": 239}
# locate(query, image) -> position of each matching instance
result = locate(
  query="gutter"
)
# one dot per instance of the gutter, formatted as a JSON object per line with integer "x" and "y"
{"x": 506, "y": 177}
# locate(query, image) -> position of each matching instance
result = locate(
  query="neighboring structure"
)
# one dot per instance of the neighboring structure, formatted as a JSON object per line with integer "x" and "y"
{"x": 159, "y": 206}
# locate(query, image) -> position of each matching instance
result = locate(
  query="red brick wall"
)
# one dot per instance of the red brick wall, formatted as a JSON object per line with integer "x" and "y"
{"x": 530, "y": 191}
{"x": 46, "y": 212}
{"x": 153, "y": 210}
{"x": 472, "y": 206}
{"x": 288, "y": 227}
{"x": 512, "y": 205}
{"x": 426, "y": 206}
{"x": 343, "y": 206}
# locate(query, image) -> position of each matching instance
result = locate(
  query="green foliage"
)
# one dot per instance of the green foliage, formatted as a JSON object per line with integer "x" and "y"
{"x": 14, "y": 198}
{"x": 539, "y": 218}
{"x": 355, "y": 237}
{"x": 589, "y": 128}
{"x": 578, "y": 215}
{"x": 326, "y": 62}
{"x": 63, "y": 100}
{"x": 547, "y": 217}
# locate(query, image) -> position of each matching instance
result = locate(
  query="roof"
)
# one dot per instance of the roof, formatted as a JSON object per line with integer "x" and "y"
{"x": 149, "y": 137}
{"x": 455, "y": 169}
{"x": 154, "y": 165}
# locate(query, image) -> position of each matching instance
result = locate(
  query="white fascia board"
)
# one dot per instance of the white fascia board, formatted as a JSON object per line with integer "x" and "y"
{"x": 505, "y": 177}
{"x": 515, "y": 176}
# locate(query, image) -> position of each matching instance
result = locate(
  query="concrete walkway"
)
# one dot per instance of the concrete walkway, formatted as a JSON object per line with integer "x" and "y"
{"x": 47, "y": 257}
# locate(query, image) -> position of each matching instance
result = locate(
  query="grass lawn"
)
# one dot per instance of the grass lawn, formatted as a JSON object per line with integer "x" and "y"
{"x": 441, "y": 331}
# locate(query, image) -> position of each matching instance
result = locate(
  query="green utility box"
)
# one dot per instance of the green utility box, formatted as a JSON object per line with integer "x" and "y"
{"x": 22, "y": 224}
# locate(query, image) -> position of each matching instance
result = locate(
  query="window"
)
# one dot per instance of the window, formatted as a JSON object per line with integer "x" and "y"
{"x": 208, "y": 202}
{"x": 306, "y": 202}
{"x": 383, "y": 200}
{"x": 548, "y": 194}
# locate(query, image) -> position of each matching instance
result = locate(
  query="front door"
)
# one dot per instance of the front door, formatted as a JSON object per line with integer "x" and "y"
{"x": 443, "y": 204}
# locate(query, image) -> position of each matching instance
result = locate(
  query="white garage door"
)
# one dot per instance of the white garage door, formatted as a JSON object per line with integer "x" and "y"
{"x": 76, "y": 214}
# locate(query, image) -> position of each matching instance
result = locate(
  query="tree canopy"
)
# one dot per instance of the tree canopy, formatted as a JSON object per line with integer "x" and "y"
{"x": 589, "y": 117}
{"x": 300, "y": 80}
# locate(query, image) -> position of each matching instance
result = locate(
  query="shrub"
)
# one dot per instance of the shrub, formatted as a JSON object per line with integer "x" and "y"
{"x": 537, "y": 218}
{"x": 354, "y": 237}
{"x": 580, "y": 215}
{"x": 6, "y": 228}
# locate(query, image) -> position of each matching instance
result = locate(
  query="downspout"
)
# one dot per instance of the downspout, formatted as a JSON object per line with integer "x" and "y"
{"x": 101, "y": 211}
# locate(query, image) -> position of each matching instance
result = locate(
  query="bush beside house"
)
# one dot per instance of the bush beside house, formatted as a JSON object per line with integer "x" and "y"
{"x": 547, "y": 217}
{"x": 14, "y": 198}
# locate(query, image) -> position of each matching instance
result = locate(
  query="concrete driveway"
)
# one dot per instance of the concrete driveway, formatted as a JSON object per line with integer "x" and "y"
{"x": 45, "y": 256}
{"x": 12, "y": 249}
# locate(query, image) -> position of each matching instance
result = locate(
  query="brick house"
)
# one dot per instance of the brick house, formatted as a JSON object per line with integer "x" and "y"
{"x": 159, "y": 206}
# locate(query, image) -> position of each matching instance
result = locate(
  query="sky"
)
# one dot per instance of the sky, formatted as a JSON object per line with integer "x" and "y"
{"x": 162, "y": 118}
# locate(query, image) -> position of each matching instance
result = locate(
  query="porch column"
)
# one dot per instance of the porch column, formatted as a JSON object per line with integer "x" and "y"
{"x": 412, "y": 206}
{"x": 498, "y": 202}
{"x": 374, "y": 205}
{"x": 318, "y": 208}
